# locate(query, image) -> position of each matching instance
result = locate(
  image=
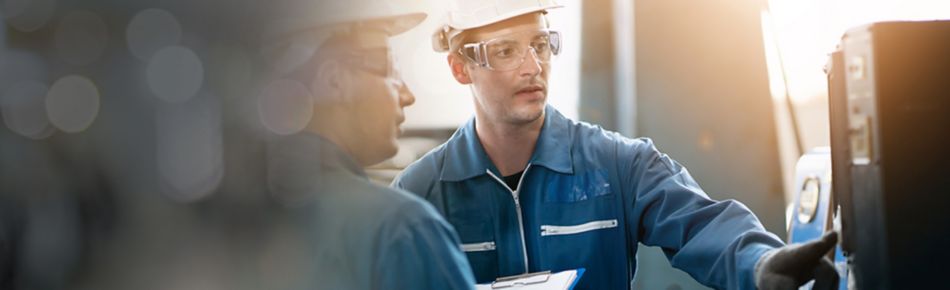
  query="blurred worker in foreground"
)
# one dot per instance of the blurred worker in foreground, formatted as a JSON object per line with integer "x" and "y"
{"x": 364, "y": 236}
{"x": 529, "y": 190}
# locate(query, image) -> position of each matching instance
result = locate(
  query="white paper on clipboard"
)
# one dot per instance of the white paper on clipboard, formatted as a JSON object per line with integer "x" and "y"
{"x": 563, "y": 280}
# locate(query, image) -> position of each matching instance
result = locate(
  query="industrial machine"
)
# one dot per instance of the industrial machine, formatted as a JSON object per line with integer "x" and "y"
{"x": 889, "y": 93}
{"x": 897, "y": 106}
{"x": 885, "y": 182}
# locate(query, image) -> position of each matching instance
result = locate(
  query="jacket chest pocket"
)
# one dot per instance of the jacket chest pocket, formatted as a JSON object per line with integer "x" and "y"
{"x": 557, "y": 230}
{"x": 586, "y": 233}
{"x": 470, "y": 211}
{"x": 478, "y": 243}
{"x": 589, "y": 217}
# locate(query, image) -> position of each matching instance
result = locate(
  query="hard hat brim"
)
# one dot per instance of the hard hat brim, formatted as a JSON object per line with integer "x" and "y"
{"x": 276, "y": 41}
{"x": 391, "y": 24}
{"x": 397, "y": 24}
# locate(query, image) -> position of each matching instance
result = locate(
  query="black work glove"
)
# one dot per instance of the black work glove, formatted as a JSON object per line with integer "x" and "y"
{"x": 791, "y": 266}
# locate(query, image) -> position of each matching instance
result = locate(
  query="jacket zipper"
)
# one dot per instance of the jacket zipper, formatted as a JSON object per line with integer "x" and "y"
{"x": 514, "y": 195}
{"x": 478, "y": 247}
{"x": 548, "y": 230}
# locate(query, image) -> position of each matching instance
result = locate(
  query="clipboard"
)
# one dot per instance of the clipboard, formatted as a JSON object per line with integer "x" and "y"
{"x": 546, "y": 280}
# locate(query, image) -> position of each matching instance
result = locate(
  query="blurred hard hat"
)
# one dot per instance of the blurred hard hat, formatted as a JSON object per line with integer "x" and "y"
{"x": 295, "y": 16}
{"x": 301, "y": 26}
{"x": 468, "y": 14}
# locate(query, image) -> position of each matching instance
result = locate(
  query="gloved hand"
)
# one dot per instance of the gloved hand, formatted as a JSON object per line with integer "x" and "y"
{"x": 791, "y": 266}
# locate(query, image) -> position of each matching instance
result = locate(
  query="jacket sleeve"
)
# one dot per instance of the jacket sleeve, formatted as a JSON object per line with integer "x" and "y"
{"x": 716, "y": 242}
{"x": 421, "y": 251}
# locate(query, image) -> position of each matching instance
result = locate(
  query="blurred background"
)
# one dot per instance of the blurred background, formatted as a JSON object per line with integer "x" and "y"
{"x": 734, "y": 90}
{"x": 132, "y": 150}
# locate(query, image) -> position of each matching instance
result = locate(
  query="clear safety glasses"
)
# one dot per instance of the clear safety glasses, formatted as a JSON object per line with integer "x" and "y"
{"x": 375, "y": 61}
{"x": 510, "y": 51}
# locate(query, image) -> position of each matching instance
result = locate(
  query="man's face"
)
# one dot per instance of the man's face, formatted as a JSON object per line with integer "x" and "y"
{"x": 376, "y": 101}
{"x": 517, "y": 95}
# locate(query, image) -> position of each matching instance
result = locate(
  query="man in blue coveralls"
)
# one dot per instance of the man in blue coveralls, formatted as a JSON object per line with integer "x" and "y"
{"x": 355, "y": 234}
{"x": 529, "y": 190}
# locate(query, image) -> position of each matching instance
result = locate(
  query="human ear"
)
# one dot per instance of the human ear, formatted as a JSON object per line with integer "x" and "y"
{"x": 332, "y": 82}
{"x": 457, "y": 64}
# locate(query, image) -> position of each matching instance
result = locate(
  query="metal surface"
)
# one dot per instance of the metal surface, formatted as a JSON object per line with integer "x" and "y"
{"x": 890, "y": 117}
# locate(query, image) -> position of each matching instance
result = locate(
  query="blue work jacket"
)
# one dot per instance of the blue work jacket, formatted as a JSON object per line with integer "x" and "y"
{"x": 355, "y": 234}
{"x": 585, "y": 200}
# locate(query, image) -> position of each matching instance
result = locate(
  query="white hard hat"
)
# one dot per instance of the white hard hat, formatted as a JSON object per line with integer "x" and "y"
{"x": 468, "y": 14}
{"x": 303, "y": 15}
{"x": 309, "y": 23}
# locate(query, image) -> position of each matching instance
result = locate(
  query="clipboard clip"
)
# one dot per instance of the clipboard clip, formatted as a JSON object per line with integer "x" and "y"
{"x": 521, "y": 280}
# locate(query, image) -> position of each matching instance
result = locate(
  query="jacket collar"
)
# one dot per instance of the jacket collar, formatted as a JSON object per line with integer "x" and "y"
{"x": 466, "y": 158}
{"x": 305, "y": 154}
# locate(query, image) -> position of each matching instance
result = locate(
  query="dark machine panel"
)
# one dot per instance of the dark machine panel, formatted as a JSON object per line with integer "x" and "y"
{"x": 890, "y": 134}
